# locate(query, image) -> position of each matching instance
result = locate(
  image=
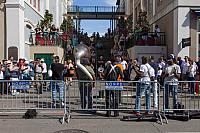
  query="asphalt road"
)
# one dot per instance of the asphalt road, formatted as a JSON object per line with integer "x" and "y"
{"x": 94, "y": 126}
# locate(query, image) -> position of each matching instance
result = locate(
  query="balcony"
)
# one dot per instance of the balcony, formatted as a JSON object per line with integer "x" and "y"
{"x": 149, "y": 45}
{"x": 48, "y": 39}
{"x": 146, "y": 40}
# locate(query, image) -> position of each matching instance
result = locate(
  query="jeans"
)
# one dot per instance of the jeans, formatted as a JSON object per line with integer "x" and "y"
{"x": 154, "y": 86}
{"x": 168, "y": 89}
{"x": 57, "y": 86}
{"x": 112, "y": 100}
{"x": 86, "y": 94}
{"x": 141, "y": 89}
{"x": 192, "y": 84}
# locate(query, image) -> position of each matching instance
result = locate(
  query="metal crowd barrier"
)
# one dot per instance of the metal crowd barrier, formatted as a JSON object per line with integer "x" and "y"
{"x": 100, "y": 97}
{"x": 113, "y": 96}
{"x": 181, "y": 99}
{"x": 45, "y": 96}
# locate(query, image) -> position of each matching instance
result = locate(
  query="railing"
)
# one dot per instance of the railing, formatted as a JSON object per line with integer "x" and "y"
{"x": 48, "y": 39}
{"x": 150, "y": 39}
{"x": 94, "y": 9}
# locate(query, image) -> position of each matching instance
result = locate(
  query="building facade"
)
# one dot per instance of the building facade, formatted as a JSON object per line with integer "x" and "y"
{"x": 179, "y": 19}
{"x": 2, "y": 29}
{"x": 22, "y": 17}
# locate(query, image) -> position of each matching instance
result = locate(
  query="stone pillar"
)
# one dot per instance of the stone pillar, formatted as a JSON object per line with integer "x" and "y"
{"x": 57, "y": 13}
{"x": 47, "y": 5}
{"x": 134, "y": 14}
{"x": 15, "y": 26}
{"x": 181, "y": 30}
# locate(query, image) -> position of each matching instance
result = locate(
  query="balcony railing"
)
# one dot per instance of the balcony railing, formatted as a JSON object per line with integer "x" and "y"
{"x": 48, "y": 39}
{"x": 150, "y": 39}
{"x": 93, "y": 9}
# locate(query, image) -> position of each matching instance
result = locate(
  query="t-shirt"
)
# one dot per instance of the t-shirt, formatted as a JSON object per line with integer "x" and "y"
{"x": 124, "y": 64}
{"x": 44, "y": 66}
{"x": 184, "y": 67}
{"x": 1, "y": 75}
{"x": 57, "y": 71}
{"x": 148, "y": 72}
{"x": 100, "y": 69}
{"x": 170, "y": 70}
{"x": 192, "y": 70}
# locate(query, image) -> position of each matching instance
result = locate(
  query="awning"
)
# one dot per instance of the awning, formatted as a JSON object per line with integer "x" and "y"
{"x": 197, "y": 11}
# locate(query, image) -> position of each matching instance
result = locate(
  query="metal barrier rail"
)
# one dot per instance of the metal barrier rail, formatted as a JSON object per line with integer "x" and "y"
{"x": 18, "y": 96}
{"x": 181, "y": 98}
{"x": 118, "y": 96}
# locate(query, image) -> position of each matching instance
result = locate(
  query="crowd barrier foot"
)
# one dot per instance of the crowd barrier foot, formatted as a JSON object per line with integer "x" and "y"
{"x": 155, "y": 117}
{"x": 178, "y": 116}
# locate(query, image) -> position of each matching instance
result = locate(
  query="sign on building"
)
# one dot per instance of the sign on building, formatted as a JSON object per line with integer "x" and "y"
{"x": 186, "y": 42}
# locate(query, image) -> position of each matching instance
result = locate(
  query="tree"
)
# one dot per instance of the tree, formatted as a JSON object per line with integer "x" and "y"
{"x": 47, "y": 21}
{"x": 67, "y": 26}
{"x": 142, "y": 22}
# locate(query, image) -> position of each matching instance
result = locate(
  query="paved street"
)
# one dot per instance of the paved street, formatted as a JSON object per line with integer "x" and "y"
{"x": 94, "y": 126}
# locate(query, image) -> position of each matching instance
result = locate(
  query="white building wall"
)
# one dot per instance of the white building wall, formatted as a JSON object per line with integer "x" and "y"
{"x": 15, "y": 31}
{"x": 181, "y": 30}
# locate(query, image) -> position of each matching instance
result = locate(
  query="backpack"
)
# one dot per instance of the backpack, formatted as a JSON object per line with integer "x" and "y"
{"x": 112, "y": 75}
{"x": 30, "y": 114}
{"x": 178, "y": 105}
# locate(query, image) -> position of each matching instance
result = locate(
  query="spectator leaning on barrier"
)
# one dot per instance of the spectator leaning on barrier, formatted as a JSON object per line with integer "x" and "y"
{"x": 38, "y": 75}
{"x": 57, "y": 84}
{"x": 44, "y": 69}
{"x": 191, "y": 75}
{"x": 85, "y": 87}
{"x": 171, "y": 74}
{"x": 32, "y": 69}
{"x": 144, "y": 85}
{"x": 112, "y": 96}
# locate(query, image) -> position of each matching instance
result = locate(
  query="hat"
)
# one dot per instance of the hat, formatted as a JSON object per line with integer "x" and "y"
{"x": 42, "y": 60}
{"x": 31, "y": 60}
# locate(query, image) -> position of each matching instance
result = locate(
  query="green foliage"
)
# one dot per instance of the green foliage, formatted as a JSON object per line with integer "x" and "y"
{"x": 142, "y": 22}
{"x": 47, "y": 21}
{"x": 67, "y": 25}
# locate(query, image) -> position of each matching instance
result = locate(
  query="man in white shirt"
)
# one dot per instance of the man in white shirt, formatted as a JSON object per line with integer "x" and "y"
{"x": 125, "y": 68}
{"x": 143, "y": 86}
{"x": 44, "y": 69}
{"x": 172, "y": 74}
{"x": 157, "y": 31}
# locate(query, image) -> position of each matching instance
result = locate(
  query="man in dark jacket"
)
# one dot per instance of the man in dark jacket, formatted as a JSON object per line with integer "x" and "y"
{"x": 111, "y": 74}
{"x": 57, "y": 85}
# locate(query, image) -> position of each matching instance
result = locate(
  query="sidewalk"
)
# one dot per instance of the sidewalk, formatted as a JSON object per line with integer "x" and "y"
{"x": 94, "y": 126}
